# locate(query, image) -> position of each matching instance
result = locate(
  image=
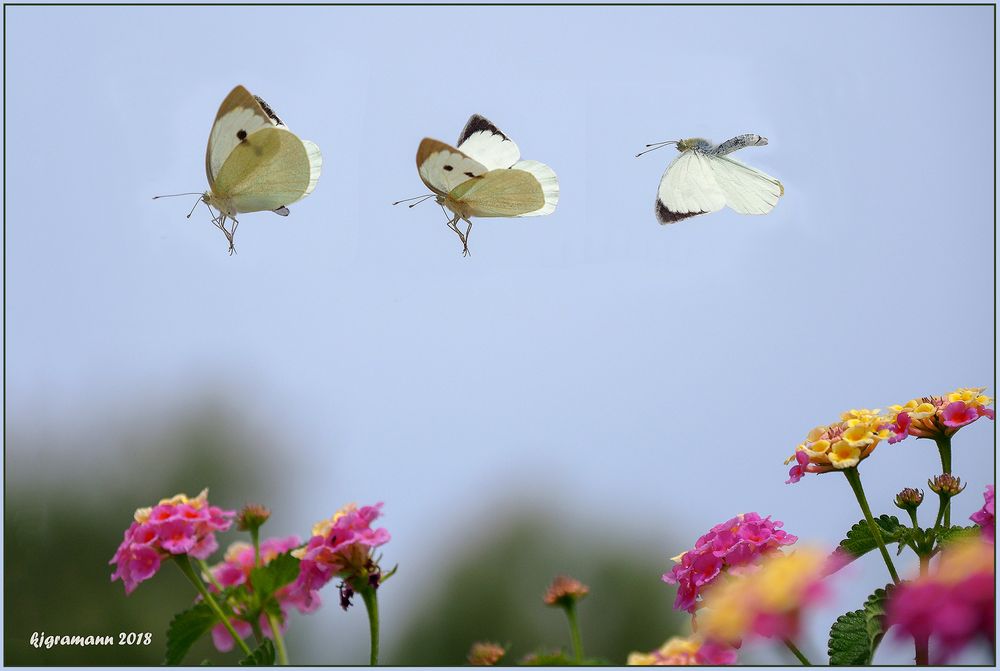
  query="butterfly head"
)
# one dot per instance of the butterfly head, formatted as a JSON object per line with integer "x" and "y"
{"x": 223, "y": 206}
{"x": 696, "y": 143}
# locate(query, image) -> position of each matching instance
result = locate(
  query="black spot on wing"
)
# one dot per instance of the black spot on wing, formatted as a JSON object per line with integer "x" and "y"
{"x": 476, "y": 124}
{"x": 267, "y": 110}
{"x": 241, "y": 135}
{"x": 449, "y": 168}
{"x": 667, "y": 217}
{"x": 469, "y": 174}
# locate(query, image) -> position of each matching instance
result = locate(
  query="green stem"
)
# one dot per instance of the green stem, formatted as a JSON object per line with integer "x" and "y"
{"x": 279, "y": 640}
{"x": 255, "y": 537}
{"x": 203, "y": 565}
{"x": 371, "y": 604}
{"x": 803, "y": 660}
{"x": 944, "y": 449}
{"x": 921, "y": 644}
{"x": 574, "y": 632}
{"x": 854, "y": 478}
{"x": 188, "y": 570}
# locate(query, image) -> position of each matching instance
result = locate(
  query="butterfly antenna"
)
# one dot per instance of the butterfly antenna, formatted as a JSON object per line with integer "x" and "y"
{"x": 655, "y": 146}
{"x": 419, "y": 200}
{"x": 171, "y": 195}
{"x": 194, "y": 206}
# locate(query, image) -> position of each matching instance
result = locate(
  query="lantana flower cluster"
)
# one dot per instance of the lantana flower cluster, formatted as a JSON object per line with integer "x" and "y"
{"x": 984, "y": 516}
{"x": 175, "y": 526}
{"x": 690, "y": 651}
{"x": 767, "y": 601}
{"x": 939, "y": 416}
{"x": 954, "y": 604}
{"x": 340, "y": 547}
{"x": 235, "y": 570}
{"x": 731, "y": 546}
{"x": 839, "y": 445}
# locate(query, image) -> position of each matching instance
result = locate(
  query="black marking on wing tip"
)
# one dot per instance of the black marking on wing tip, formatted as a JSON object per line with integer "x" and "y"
{"x": 267, "y": 110}
{"x": 476, "y": 124}
{"x": 667, "y": 217}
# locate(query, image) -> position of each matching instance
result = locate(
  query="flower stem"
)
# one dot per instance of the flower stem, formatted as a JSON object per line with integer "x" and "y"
{"x": 279, "y": 640}
{"x": 921, "y": 644}
{"x": 574, "y": 632}
{"x": 803, "y": 660}
{"x": 944, "y": 449}
{"x": 188, "y": 570}
{"x": 371, "y": 604}
{"x": 854, "y": 478}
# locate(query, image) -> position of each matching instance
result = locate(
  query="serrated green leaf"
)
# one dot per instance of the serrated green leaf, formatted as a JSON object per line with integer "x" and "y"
{"x": 855, "y": 636}
{"x": 947, "y": 535}
{"x": 262, "y": 656}
{"x": 860, "y": 541}
{"x": 186, "y": 628}
{"x": 277, "y": 573}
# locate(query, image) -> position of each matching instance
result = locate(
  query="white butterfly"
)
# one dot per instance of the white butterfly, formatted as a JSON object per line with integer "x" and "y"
{"x": 484, "y": 177}
{"x": 254, "y": 163}
{"x": 705, "y": 179}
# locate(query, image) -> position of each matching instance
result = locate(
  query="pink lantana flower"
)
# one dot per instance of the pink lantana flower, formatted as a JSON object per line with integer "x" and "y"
{"x": 234, "y": 571}
{"x": 984, "y": 516}
{"x": 839, "y": 445}
{"x": 729, "y": 547}
{"x": 690, "y": 651}
{"x": 939, "y": 416}
{"x": 341, "y": 547}
{"x": 766, "y": 600}
{"x": 954, "y": 605}
{"x": 175, "y": 526}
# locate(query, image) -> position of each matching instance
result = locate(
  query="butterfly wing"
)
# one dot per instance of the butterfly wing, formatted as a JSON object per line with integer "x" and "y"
{"x": 747, "y": 190}
{"x": 269, "y": 169}
{"x": 485, "y": 143}
{"x": 442, "y": 167}
{"x": 547, "y": 179}
{"x": 239, "y": 115}
{"x": 688, "y": 188}
{"x": 501, "y": 193}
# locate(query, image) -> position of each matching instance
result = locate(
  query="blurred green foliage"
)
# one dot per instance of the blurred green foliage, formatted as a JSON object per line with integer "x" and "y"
{"x": 494, "y": 593}
{"x": 60, "y": 535}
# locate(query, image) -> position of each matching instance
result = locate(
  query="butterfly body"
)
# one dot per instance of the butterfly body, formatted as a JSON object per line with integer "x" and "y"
{"x": 705, "y": 179}
{"x": 484, "y": 177}
{"x": 254, "y": 163}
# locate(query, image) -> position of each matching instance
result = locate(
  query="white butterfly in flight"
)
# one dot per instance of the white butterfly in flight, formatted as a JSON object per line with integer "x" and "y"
{"x": 254, "y": 163}
{"x": 705, "y": 179}
{"x": 484, "y": 177}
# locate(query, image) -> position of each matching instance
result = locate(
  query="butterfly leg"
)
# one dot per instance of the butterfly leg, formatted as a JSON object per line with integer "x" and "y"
{"x": 465, "y": 238}
{"x": 230, "y": 233}
{"x": 453, "y": 225}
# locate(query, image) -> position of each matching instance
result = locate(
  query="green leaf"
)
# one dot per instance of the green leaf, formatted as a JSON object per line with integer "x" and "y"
{"x": 262, "y": 656}
{"x": 860, "y": 541}
{"x": 186, "y": 628}
{"x": 277, "y": 573}
{"x": 947, "y": 535}
{"x": 855, "y": 636}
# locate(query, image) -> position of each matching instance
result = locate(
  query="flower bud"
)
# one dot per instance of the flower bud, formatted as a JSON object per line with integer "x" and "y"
{"x": 946, "y": 484}
{"x": 485, "y": 654}
{"x": 252, "y": 517}
{"x": 565, "y": 591}
{"x": 909, "y": 499}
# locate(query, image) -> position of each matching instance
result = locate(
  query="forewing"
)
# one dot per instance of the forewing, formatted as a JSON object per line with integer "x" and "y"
{"x": 486, "y": 143}
{"x": 747, "y": 190}
{"x": 688, "y": 187}
{"x": 239, "y": 114}
{"x": 547, "y": 179}
{"x": 442, "y": 167}
{"x": 315, "y": 164}
{"x": 501, "y": 193}
{"x": 271, "y": 168}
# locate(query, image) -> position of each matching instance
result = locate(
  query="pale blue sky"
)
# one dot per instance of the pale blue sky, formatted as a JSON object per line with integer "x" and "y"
{"x": 591, "y": 361}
